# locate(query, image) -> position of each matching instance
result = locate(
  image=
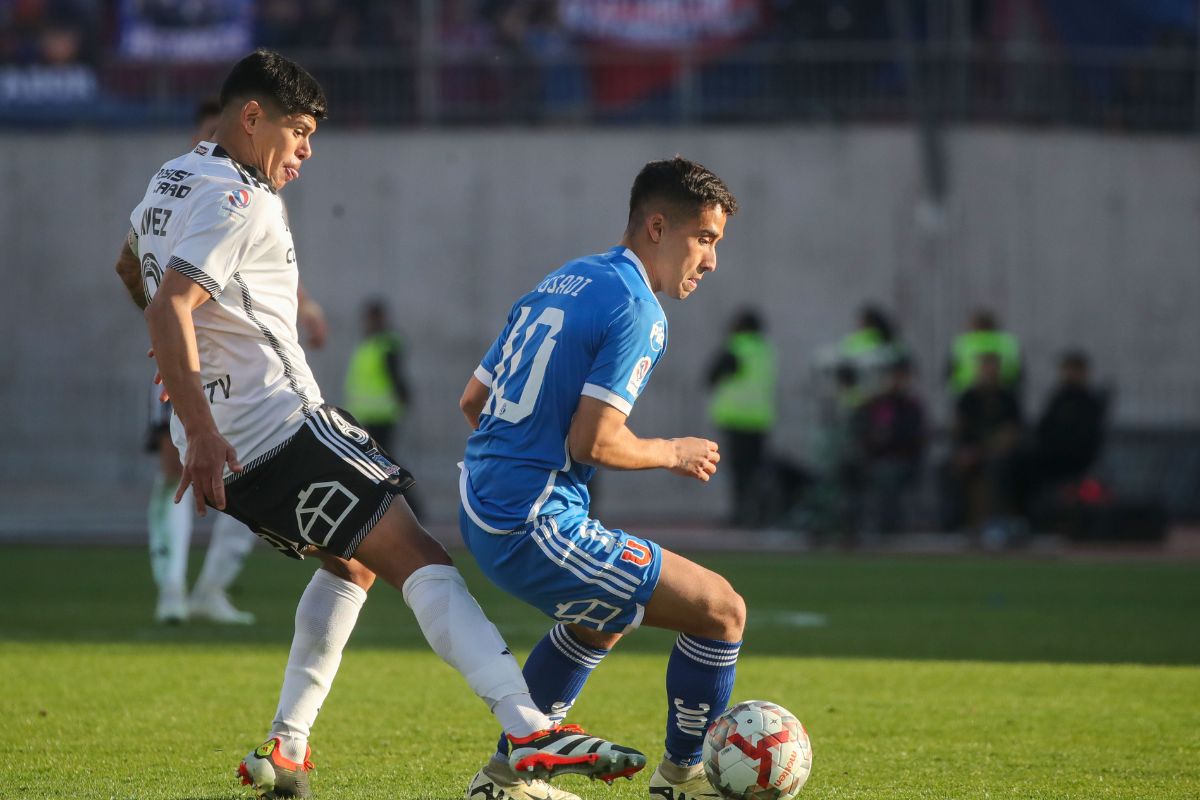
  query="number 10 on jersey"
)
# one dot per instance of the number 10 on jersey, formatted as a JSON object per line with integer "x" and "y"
{"x": 517, "y": 374}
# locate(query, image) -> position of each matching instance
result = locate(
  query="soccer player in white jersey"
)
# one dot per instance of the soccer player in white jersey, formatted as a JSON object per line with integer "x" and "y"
{"x": 219, "y": 290}
{"x": 549, "y": 404}
{"x": 170, "y": 524}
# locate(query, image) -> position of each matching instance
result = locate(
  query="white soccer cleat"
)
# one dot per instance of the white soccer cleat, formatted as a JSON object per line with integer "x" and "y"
{"x": 497, "y": 781}
{"x": 172, "y": 608}
{"x": 215, "y": 607}
{"x": 694, "y": 788}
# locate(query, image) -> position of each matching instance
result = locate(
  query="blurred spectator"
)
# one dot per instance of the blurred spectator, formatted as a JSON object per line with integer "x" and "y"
{"x": 983, "y": 337}
{"x": 832, "y": 503}
{"x": 891, "y": 435}
{"x": 1069, "y": 434}
{"x": 48, "y": 53}
{"x": 208, "y": 113}
{"x": 564, "y": 79}
{"x": 376, "y": 391}
{"x": 742, "y": 377}
{"x": 978, "y": 479}
{"x": 872, "y": 348}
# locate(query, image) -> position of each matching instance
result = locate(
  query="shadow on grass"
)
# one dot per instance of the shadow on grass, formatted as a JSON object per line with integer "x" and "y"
{"x": 806, "y": 606}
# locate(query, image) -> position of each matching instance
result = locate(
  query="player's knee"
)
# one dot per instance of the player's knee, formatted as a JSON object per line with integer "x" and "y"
{"x": 351, "y": 571}
{"x": 593, "y": 638}
{"x": 735, "y": 617}
{"x": 727, "y": 613}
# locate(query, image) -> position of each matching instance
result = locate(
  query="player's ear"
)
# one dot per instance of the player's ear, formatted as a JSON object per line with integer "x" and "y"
{"x": 654, "y": 227}
{"x": 251, "y": 115}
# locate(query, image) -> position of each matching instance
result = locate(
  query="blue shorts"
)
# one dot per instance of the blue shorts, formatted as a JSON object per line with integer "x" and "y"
{"x": 570, "y": 567}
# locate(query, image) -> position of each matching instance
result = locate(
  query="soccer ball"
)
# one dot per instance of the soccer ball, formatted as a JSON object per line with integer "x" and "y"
{"x": 757, "y": 751}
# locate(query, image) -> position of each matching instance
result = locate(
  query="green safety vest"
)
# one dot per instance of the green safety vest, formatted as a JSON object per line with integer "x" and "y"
{"x": 745, "y": 400}
{"x": 370, "y": 396}
{"x": 860, "y": 343}
{"x": 969, "y": 346}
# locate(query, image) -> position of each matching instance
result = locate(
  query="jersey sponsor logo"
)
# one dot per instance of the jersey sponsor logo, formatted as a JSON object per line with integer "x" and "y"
{"x": 222, "y": 384}
{"x": 322, "y": 508}
{"x": 201, "y": 150}
{"x": 152, "y": 276}
{"x": 170, "y": 182}
{"x": 638, "y": 377}
{"x": 658, "y": 336}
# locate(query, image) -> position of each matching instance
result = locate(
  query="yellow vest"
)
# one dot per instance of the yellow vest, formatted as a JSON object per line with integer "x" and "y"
{"x": 969, "y": 346}
{"x": 370, "y": 396}
{"x": 745, "y": 400}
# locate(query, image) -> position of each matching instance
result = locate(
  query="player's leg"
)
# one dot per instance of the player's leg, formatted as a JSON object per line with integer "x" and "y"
{"x": 231, "y": 542}
{"x": 556, "y": 670}
{"x": 170, "y": 527}
{"x": 325, "y": 617}
{"x": 710, "y": 618}
{"x": 403, "y": 554}
{"x": 571, "y": 568}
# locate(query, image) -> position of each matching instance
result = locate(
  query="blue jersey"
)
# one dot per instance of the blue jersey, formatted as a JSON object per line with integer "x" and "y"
{"x": 593, "y": 327}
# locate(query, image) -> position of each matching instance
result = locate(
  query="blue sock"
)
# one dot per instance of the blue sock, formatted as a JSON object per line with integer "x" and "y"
{"x": 556, "y": 671}
{"x": 700, "y": 676}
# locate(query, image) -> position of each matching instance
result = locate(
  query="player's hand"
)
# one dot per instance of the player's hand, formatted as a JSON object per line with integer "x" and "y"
{"x": 162, "y": 395}
{"x": 204, "y": 470}
{"x": 695, "y": 458}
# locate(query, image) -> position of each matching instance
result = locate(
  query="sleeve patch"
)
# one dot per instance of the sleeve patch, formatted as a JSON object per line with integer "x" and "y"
{"x": 235, "y": 204}
{"x": 638, "y": 376}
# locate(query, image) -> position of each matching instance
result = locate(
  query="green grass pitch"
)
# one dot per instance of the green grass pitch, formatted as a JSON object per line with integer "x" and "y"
{"x": 917, "y": 678}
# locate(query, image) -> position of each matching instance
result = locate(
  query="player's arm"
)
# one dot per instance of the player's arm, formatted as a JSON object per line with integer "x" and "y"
{"x": 472, "y": 401}
{"x": 129, "y": 269}
{"x": 173, "y": 337}
{"x": 600, "y": 437}
{"x": 311, "y": 317}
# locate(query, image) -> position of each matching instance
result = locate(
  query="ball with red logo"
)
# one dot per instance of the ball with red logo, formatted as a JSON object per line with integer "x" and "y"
{"x": 757, "y": 750}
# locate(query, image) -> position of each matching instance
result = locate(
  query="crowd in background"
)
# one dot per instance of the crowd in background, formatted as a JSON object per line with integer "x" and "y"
{"x": 1129, "y": 64}
{"x": 998, "y": 471}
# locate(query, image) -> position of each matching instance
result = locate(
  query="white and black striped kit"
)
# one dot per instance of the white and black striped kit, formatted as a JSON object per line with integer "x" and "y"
{"x": 220, "y": 224}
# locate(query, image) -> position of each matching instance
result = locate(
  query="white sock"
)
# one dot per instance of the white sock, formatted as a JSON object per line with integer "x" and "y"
{"x": 325, "y": 616}
{"x": 156, "y": 523}
{"x": 458, "y": 631}
{"x": 231, "y": 542}
{"x": 519, "y": 716}
{"x": 180, "y": 518}
{"x": 170, "y": 534}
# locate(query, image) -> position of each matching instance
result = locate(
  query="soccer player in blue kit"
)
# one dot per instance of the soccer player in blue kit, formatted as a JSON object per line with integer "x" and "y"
{"x": 549, "y": 404}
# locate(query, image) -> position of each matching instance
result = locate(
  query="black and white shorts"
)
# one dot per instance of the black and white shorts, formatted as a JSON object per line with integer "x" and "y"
{"x": 327, "y": 486}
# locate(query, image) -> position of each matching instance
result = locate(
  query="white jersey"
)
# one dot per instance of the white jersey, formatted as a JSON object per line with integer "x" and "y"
{"x": 219, "y": 223}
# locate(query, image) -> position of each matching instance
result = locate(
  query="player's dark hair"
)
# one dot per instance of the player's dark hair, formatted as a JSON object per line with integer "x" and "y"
{"x": 682, "y": 184}
{"x": 266, "y": 75}
{"x": 208, "y": 107}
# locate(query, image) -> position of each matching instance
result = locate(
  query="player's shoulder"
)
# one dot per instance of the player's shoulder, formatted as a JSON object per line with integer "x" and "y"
{"x": 607, "y": 277}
